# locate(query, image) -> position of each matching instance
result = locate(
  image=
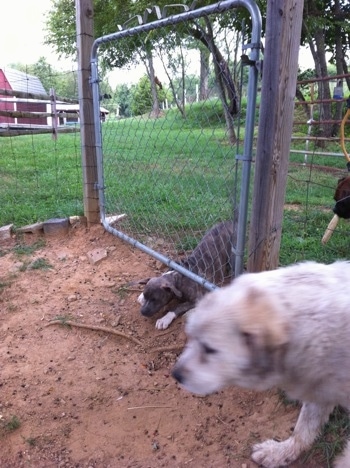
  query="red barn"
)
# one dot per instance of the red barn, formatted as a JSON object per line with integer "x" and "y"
{"x": 16, "y": 80}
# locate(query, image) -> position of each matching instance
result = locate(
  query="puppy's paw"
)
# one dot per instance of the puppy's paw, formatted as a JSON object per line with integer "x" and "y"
{"x": 272, "y": 454}
{"x": 165, "y": 321}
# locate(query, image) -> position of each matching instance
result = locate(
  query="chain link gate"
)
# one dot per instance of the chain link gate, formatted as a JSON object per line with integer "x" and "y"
{"x": 170, "y": 170}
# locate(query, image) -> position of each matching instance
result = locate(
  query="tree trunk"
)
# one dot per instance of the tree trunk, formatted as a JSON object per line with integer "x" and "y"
{"x": 339, "y": 67}
{"x": 306, "y": 107}
{"x": 180, "y": 103}
{"x": 204, "y": 74}
{"x": 150, "y": 69}
{"x": 226, "y": 86}
{"x": 316, "y": 41}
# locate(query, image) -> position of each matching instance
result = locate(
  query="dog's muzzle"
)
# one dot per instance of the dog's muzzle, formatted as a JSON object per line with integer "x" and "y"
{"x": 177, "y": 375}
{"x": 141, "y": 299}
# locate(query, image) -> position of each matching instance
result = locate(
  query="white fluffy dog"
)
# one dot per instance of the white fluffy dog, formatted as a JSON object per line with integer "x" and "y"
{"x": 287, "y": 328}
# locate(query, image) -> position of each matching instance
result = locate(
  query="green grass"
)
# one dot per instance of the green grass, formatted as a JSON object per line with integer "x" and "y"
{"x": 332, "y": 439}
{"x": 40, "y": 178}
{"x": 170, "y": 171}
{"x": 3, "y": 285}
{"x": 40, "y": 264}
{"x": 11, "y": 424}
{"x": 173, "y": 177}
{"x": 24, "y": 249}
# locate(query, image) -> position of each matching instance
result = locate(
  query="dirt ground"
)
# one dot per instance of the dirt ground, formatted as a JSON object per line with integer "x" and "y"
{"x": 76, "y": 397}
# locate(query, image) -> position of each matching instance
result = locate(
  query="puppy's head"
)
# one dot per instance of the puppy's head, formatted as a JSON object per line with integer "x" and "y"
{"x": 158, "y": 293}
{"x": 237, "y": 335}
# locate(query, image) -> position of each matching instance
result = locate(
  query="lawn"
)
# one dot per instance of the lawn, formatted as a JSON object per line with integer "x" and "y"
{"x": 173, "y": 177}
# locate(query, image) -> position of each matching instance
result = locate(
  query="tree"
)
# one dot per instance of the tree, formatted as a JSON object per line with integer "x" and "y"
{"x": 174, "y": 64}
{"x": 108, "y": 12}
{"x": 123, "y": 96}
{"x": 141, "y": 101}
{"x": 325, "y": 30}
{"x": 63, "y": 82}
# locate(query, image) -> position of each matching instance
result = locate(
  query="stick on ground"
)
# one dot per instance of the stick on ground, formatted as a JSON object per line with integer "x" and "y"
{"x": 96, "y": 328}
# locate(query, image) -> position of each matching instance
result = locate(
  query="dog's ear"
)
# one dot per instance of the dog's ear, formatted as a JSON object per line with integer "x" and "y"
{"x": 264, "y": 330}
{"x": 173, "y": 289}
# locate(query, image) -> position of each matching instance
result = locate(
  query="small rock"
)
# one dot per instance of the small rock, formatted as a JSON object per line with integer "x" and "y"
{"x": 56, "y": 226}
{"x": 72, "y": 298}
{"x": 96, "y": 256}
{"x": 16, "y": 267}
{"x": 31, "y": 228}
{"x": 5, "y": 232}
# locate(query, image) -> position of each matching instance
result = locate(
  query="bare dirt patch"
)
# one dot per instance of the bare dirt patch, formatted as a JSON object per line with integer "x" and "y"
{"x": 72, "y": 397}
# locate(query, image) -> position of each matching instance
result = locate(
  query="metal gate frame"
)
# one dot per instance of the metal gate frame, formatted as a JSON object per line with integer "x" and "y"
{"x": 246, "y": 157}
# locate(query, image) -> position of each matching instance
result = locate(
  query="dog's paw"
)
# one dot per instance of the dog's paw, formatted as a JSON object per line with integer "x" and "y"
{"x": 273, "y": 454}
{"x": 165, "y": 321}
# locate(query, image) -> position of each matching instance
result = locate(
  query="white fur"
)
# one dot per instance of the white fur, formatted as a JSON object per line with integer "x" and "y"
{"x": 164, "y": 322}
{"x": 288, "y": 328}
{"x": 141, "y": 299}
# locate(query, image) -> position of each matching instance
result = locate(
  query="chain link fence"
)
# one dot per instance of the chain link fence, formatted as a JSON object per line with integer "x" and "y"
{"x": 174, "y": 158}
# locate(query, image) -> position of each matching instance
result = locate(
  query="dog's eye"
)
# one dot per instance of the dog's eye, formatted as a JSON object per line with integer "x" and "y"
{"x": 208, "y": 350}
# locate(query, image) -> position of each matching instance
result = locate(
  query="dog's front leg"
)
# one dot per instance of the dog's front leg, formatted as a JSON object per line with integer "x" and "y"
{"x": 273, "y": 454}
{"x": 164, "y": 322}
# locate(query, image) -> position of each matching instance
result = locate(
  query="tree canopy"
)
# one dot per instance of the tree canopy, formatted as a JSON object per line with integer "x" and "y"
{"x": 325, "y": 30}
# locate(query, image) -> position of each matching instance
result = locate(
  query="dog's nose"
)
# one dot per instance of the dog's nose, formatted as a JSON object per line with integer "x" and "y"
{"x": 176, "y": 373}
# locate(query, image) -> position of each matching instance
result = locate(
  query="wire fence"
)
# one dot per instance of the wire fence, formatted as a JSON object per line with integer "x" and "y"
{"x": 174, "y": 170}
{"x": 40, "y": 162}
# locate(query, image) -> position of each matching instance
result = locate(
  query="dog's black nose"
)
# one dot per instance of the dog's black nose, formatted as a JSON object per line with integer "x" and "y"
{"x": 177, "y": 375}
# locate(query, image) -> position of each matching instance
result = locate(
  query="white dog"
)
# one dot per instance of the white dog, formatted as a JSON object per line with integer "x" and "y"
{"x": 288, "y": 328}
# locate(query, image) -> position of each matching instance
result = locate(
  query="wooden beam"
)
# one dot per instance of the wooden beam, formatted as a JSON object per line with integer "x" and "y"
{"x": 34, "y": 115}
{"x": 283, "y": 31}
{"x": 11, "y": 132}
{"x": 42, "y": 97}
{"x": 85, "y": 39}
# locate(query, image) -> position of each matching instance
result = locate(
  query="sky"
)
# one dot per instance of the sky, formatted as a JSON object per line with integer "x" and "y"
{"x": 22, "y": 34}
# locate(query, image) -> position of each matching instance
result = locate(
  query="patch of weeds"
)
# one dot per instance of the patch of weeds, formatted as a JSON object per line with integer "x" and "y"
{"x": 3, "y": 285}
{"x": 3, "y": 253}
{"x": 40, "y": 264}
{"x": 12, "y": 308}
{"x": 188, "y": 243}
{"x": 22, "y": 249}
{"x": 333, "y": 438}
{"x": 31, "y": 441}
{"x": 24, "y": 266}
{"x": 122, "y": 291}
{"x": 12, "y": 424}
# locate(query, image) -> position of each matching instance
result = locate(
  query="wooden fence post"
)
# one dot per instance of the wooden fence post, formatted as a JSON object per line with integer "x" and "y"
{"x": 283, "y": 31}
{"x": 85, "y": 39}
